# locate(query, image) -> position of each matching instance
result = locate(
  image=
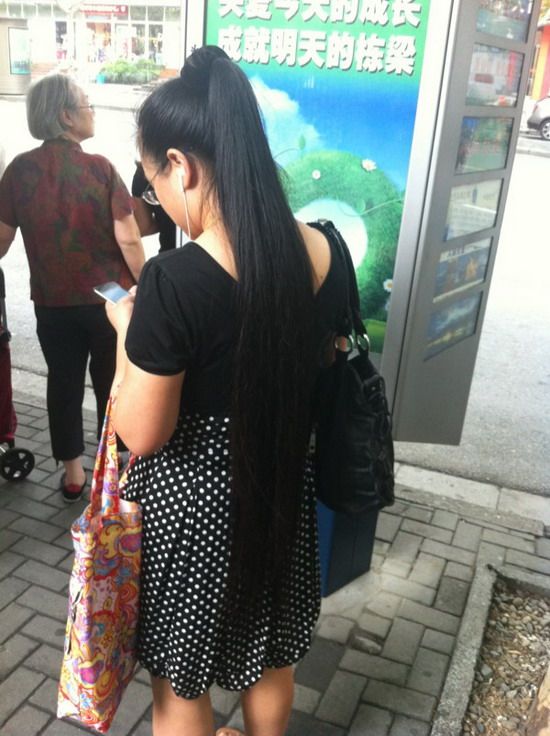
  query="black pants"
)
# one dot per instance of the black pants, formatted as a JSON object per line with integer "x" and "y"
{"x": 67, "y": 336}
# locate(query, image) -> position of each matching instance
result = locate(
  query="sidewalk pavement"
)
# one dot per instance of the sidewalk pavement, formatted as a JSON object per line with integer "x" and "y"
{"x": 383, "y": 644}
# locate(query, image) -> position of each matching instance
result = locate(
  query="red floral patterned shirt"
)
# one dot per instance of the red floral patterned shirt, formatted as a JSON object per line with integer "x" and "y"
{"x": 65, "y": 201}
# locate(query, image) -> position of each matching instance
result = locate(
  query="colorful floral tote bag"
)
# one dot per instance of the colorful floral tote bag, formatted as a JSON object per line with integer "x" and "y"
{"x": 100, "y": 639}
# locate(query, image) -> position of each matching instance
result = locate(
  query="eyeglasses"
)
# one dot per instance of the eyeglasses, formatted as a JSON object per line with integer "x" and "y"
{"x": 82, "y": 107}
{"x": 149, "y": 195}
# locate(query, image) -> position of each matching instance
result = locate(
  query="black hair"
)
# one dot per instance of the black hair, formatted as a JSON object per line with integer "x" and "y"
{"x": 211, "y": 112}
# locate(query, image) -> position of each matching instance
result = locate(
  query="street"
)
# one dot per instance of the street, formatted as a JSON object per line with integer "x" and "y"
{"x": 506, "y": 439}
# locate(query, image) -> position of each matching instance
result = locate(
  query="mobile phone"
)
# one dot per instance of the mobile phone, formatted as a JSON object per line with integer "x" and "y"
{"x": 111, "y": 291}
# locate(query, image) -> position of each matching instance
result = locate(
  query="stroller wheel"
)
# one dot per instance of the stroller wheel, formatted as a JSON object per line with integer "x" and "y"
{"x": 16, "y": 464}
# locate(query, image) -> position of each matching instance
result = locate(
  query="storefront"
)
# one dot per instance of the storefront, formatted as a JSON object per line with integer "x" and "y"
{"x": 90, "y": 34}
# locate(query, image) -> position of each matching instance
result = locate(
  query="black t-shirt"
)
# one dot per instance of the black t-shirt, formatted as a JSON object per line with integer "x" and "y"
{"x": 167, "y": 228}
{"x": 185, "y": 319}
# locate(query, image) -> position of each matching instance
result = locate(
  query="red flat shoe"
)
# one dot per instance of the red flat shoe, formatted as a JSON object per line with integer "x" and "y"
{"x": 71, "y": 492}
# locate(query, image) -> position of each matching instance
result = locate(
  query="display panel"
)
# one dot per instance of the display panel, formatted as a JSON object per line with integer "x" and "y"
{"x": 472, "y": 207}
{"x": 484, "y": 144}
{"x": 20, "y": 50}
{"x": 460, "y": 268}
{"x": 506, "y": 18}
{"x": 452, "y": 324}
{"x": 495, "y": 75}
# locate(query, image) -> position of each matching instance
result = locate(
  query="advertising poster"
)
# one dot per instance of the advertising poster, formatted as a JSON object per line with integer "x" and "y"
{"x": 337, "y": 82}
{"x": 452, "y": 324}
{"x": 506, "y": 18}
{"x": 484, "y": 144}
{"x": 472, "y": 207}
{"x": 20, "y": 50}
{"x": 460, "y": 268}
{"x": 494, "y": 77}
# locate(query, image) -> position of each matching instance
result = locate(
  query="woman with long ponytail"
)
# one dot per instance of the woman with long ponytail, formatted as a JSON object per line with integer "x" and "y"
{"x": 217, "y": 360}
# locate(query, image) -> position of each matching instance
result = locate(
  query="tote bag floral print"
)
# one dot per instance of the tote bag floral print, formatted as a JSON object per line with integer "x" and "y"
{"x": 101, "y": 635}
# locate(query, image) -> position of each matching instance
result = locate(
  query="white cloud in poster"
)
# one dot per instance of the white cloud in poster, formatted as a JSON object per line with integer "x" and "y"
{"x": 288, "y": 132}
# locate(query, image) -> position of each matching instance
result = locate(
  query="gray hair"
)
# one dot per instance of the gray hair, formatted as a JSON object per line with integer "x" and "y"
{"x": 45, "y": 101}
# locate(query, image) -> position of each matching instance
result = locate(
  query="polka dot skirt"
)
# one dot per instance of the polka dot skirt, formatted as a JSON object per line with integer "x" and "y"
{"x": 186, "y": 634}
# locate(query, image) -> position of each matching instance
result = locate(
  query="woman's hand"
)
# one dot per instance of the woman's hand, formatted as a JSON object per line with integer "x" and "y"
{"x": 119, "y": 314}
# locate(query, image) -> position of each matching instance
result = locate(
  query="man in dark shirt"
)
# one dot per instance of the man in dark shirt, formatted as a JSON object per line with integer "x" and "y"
{"x": 151, "y": 218}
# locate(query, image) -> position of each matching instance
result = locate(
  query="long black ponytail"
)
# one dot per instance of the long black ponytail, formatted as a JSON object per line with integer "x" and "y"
{"x": 211, "y": 113}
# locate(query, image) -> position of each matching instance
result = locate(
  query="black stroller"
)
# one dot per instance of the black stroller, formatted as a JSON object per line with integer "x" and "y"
{"x": 15, "y": 463}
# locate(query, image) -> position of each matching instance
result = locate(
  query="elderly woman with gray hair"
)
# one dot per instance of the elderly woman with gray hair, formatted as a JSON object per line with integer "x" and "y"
{"x": 78, "y": 228}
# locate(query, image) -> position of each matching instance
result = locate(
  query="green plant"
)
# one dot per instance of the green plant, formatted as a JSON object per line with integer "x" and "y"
{"x": 130, "y": 72}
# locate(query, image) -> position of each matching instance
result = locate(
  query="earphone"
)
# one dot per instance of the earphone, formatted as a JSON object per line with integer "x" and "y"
{"x": 180, "y": 174}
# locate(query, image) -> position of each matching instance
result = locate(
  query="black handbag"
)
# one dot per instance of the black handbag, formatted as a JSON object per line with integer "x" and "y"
{"x": 353, "y": 439}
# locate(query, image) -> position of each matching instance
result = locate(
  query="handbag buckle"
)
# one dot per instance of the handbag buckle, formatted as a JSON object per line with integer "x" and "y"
{"x": 344, "y": 343}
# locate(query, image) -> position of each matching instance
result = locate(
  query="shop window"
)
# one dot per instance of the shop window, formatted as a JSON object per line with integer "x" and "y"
{"x": 138, "y": 41}
{"x": 155, "y": 13}
{"x": 14, "y": 10}
{"x": 137, "y": 12}
{"x": 3, "y": 9}
{"x": 173, "y": 13}
{"x": 44, "y": 10}
{"x": 29, "y": 11}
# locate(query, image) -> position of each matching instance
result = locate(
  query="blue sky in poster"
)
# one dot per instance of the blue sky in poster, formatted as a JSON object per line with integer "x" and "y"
{"x": 344, "y": 117}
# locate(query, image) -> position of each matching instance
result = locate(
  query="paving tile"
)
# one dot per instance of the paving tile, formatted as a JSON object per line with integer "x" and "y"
{"x": 303, "y": 724}
{"x": 335, "y": 628}
{"x": 306, "y": 699}
{"x": 135, "y": 701}
{"x": 9, "y": 561}
{"x": 8, "y": 538}
{"x": 45, "y": 696}
{"x": 370, "y": 665}
{"x": 399, "y": 568}
{"x": 520, "y": 559}
{"x": 405, "y": 547}
{"x": 400, "y": 700}
{"x": 66, "y": 517}
{"x": 428, "y": 672}
{"x": 458, "y": 571}
{"x": 432, "y": 619}
{"x": 6, "y": 517}
{"x": 64, "y": 728}
{"x": 46, "y": 532}
{"x": 398, "y": 508}
{"x": 13, "y": 651}
{"x": 339, "y": 702}
{"x": 385, "y": 605}
{"x": 437, "y": 641}
{"x": 448, "y": 552}
{"x": 467, "y": 536}
{"x": 418, "y": 514}
{"x": 452, "y": 596}
{"x": 403, "y": 641}
{"x": 490, "y": 554}
{"x": 543, "y": 548}
{"x": 44, "y": 575}
{"x": 41, "y": 551}
{"x": 445, "y": 519}
{"x": 46, "y": 602}
{"x": 223, "y": 701}
{"x": 65, "y": 540}
{"x": 403, "y": 726}
{"x": 32, "y": 491}
{"x": 28, "y": 721}
{"x": 372, "y": 721}
{"x": 373, "y": 624}
{"x": 15, "y": 689}
{"x": 10, "y": 589}
{"x": 427, "y": 570}
{"x": 46, "y": 660}
{"x": 28, "y": 507}
{"x": 427, "y": 531}
{"x": 408, "y": 589}
{"x": 45, "y": 629}
{"x": 319, "y": 665}
{"x": 12, "y": 617}
{"x": 508, "y": 540}
{"x": 387, "y": 526}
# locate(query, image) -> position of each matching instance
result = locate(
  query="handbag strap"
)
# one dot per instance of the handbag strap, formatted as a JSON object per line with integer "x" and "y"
{"x": 354, "y": 323}
{"x": 105, "y": 492}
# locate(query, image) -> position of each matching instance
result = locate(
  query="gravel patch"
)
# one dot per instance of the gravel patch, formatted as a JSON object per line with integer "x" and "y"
{"x": 512, "y": 661}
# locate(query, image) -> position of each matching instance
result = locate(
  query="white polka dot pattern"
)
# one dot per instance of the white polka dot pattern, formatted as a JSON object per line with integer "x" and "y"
{"x": 186, "y": 634}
